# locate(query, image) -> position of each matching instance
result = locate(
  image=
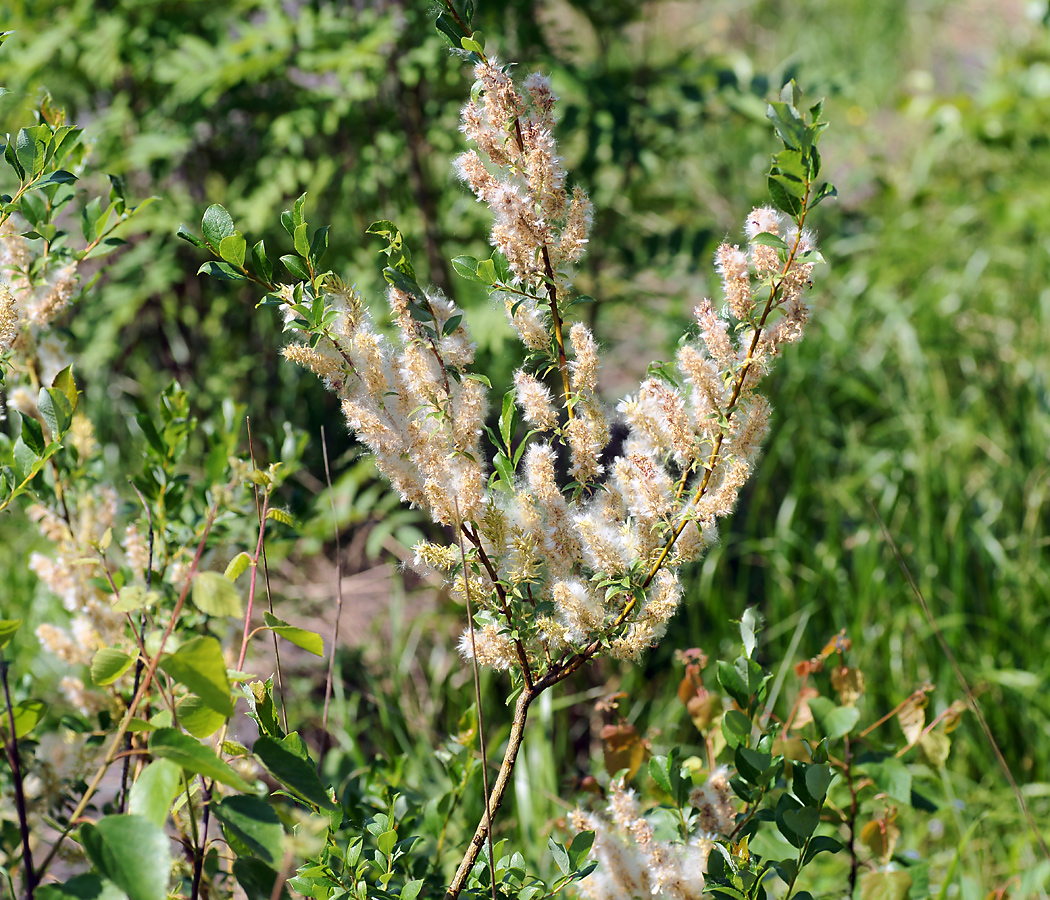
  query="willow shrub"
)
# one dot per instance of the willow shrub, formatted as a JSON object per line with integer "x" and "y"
{"x": 565, "y": 546}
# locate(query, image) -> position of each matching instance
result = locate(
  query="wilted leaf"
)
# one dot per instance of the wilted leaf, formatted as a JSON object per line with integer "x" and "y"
{"x": 849, "y": 683}
{"x": 935, "y": 747}
{"x": 912, "y": 717}
{"x": 623, "y": 749}
{"x": 880, "y": 836}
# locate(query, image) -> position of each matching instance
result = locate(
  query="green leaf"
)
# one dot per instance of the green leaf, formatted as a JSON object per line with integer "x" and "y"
{"x": 197, "y": 718}
{"x": 59, "y": 176}
{"x": 194, "y": 757}
{"x": 55, "y": 407}
{"x": 504, "y": 274}
{"x": 252, "y": 828}
{"x": 216, "y": 595}
{"x": 33, "y": 434}
{"x": 30, "y": 148}
{"x": 299, "y": 241}
{"x": 257, "y": 879}
{"x": 788, "y": 124}
{"x": 742, "y": 679}
{"x": 894, "y": 777}
{"x": 885, "y": 885}
{"x": 221, "y": 270}
{"x": 8, "y": 629}
{"x": 785, "y": 804}
{"x": 65, "y": 382}
{"x": 132, "y": 852}
{"x": 232, "y": 249}
{"x": 297, "y": 211}
{"x": 319, "y": 245}
{"x": 298, "y": 775}
{"x": 822, "y": 843}
{"x": 190, "y": 238}
{"x": 450, "y": 29}
{"x": 385, "y": 842}
{"x": 309, "y": 641}
{"x": 736, "y": 723}
{"x": 295, "y": 267}
{"x": 818, "y": 779}
{"x": 262, "y": 708}
{"x": 752, "y": 765}
{"x": 262, "y": 263}
{"x": 767, "y": 239}
{"x": 783, "y": 199}
{"x": 658, "y": 772}
{"x": 27, "y": 714}
{"x": 154, "y": 790}
{"x": 561, "y": 857}
{"x": 467, "y": 267}
{"x": 139, "y": 726}
{"x": 109, "y": 664}
{"x": 27, "y": 462}
{"x": 237, "y": 566}
{"x": 403, "y": 282}
{"x": 822, "y": 193}
{"x": 88, "y": 886}
{"x": 12, "y": 160}
{"x": 833, "y": 721}
{"x": 200, "y": 666}
{"x": 280, "y": 515}
{"x": 216, "y": 225}
{"x": 411, "y": 889}
{"x": 135, "y": 597}
{"x": 487, "y": 271}
{"x": 801, "y": 822}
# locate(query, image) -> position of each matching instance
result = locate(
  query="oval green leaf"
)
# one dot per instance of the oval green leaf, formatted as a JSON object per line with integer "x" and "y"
{"x": 194, "y": 757}
{"x": 109, "y": 664}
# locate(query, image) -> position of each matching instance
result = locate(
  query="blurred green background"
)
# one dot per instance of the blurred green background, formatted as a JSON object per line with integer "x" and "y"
{"x": 923, "y": 387}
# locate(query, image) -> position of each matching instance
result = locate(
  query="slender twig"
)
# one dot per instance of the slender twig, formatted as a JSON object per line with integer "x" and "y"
{"x": 260, "y": 552}
{"x": 963, "y": 683}
{"x": 11, "y": 746}
{"x": 477, "y": 701}
{"x": 338, "y": 604}
{"x": 475, "y": 539}
{"x": 253, "y": 581}
{"x": 140, "y": 663}
{"x": 151, "y": 670}
{"x": 495, "y": 798}
{"x": 913, "y": 697}
{"x": 854, "y": 861}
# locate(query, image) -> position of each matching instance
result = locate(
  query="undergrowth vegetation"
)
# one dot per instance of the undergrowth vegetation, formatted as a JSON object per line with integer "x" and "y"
{"x": 244, "y": 654}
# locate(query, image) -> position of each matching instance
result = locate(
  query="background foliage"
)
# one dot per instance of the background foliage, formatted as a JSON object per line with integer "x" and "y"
{"x": 924, "y": 388}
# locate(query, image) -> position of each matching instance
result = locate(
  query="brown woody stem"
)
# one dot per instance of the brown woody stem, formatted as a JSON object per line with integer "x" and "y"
{"x": 495, "y": 798}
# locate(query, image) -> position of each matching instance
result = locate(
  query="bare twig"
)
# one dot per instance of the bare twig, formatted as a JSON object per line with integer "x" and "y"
{"x": 338, "y": 604}
{"x": 487, "y": 819}
{"x": 11, "y": 746}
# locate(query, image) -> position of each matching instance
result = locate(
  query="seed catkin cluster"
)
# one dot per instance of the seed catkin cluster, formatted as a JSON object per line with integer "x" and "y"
{"x": 576, "y": 550}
